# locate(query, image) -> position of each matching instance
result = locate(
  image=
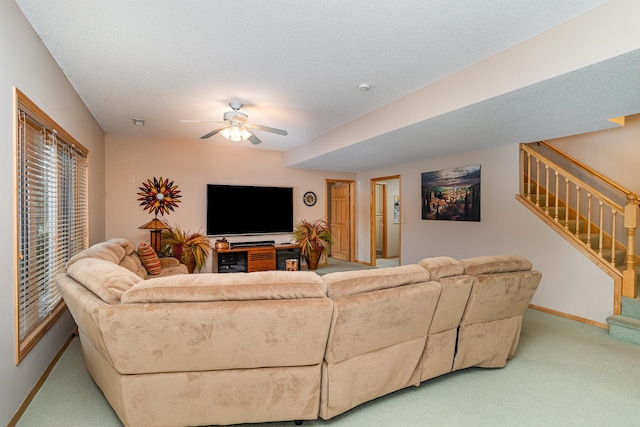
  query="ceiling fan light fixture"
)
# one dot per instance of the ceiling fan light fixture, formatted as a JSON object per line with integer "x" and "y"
{"x": 236, "y": 133}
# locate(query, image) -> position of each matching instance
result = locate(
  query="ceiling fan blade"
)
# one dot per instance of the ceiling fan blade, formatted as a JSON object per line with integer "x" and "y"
{"x": 267, "y": 129}
{"x": 239, "y": 118}
{"x": 213, "y": 132}
{"x": 254, "y": 139}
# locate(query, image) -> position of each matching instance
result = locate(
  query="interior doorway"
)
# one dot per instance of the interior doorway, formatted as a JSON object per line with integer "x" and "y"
{"x": 340, "y": 216}
{"x": 385, "y": 221}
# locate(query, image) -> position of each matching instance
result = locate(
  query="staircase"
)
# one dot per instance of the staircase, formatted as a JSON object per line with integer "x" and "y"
{"x": 626, "y": 325}
{"x": 597, "y": 216}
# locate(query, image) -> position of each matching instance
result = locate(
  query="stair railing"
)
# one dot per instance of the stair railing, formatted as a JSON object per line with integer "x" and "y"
{"x": 566, "y": 201}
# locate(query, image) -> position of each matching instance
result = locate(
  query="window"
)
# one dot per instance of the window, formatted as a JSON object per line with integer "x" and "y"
{"x": 52, "y": 221}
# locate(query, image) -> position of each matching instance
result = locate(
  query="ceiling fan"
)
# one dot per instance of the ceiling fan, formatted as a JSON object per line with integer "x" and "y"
{"x": 236, "y": 127}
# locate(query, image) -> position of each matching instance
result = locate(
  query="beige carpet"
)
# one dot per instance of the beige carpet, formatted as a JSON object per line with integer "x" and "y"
{"x": 564, "y": 373}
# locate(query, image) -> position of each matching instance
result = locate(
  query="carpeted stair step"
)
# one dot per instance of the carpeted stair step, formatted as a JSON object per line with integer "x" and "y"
{"x": 562, "y": 211}
{"x": 631, "y": 307}
{"x": 606, "y": 251}
{"x": 624, "y": 328}
{"x": 619, "y": 255}
{"x": 595, "y": 239}
{"x": 532, "y": 198}
{"x": 572, "y": 225}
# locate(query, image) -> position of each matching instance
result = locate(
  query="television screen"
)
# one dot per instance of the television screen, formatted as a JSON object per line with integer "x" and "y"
{"x": 241, "y": 209}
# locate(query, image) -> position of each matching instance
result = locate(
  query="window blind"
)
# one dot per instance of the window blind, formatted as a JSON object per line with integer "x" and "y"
{"x": 52, "y": 220}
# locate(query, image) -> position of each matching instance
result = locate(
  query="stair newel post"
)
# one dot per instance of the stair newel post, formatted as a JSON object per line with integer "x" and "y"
{"x": 629, "y": 278}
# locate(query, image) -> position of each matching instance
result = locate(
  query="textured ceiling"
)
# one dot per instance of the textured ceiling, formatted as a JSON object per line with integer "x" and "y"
{"x": 296, "y": 65}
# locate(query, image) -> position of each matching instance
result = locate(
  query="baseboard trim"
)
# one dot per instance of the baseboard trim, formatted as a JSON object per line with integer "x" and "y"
{"x": 25, "y": 404}
{"x": 569, "y": 316}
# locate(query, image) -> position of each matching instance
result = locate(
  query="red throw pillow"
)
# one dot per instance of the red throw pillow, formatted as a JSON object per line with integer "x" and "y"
{"x": 149, "y": 258}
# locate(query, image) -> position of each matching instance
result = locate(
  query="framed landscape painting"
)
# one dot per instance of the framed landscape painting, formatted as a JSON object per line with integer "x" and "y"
{"x": 451, "y": 194}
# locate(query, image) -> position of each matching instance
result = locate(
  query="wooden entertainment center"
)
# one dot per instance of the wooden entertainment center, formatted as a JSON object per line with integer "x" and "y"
{"x": 245, "y": 259}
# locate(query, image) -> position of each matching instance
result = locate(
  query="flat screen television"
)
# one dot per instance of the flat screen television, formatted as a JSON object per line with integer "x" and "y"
{"x": 244, "y": 209}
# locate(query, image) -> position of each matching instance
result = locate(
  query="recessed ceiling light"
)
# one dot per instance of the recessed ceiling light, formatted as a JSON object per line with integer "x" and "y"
{"x": 138, "y": 122}
{"x": 364, "y": 87}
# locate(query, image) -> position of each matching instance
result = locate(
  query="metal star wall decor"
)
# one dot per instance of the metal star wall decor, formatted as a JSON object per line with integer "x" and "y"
{"x": 159, "y": 196}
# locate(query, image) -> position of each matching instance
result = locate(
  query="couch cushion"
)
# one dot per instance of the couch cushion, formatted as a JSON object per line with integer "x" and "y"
{"x": 104, "y": 278}
{"x": 500, "y": 296}
{"x": 171, "y": 270}
{"x": 128, "y": 245}
{"x": 495, "y": 264}
{"x": 360, "y": 281}
{"x": 149, "y": 258}
{"x": 132, "y": 263}
{"x": 263, "y": 285}
{"x": 379, "y": 319}
{"x": 108, "y": 251}
{"x": 442, "y": 266}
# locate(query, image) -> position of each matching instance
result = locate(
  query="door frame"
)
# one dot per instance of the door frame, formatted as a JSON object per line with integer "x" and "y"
{"x": 372, "y": 217}
{"x": 352, "y": 211}
{"x": 383, "y": 203}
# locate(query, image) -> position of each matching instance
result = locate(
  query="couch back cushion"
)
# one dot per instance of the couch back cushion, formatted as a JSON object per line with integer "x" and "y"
{"x": 131, "y": 260}
{"x": 495, "y": 264}
{"x": 500, "y": 296}
{"x": 104, "y": 278}
{"x": 128, "y": 245}
{"x": 346, "y": 283}
{"x": 108, "y": 251}
{"x": 132, "y": 263}
{"x": 454, "y": 295}
{"x": 379, "y": 319}
{"x": 263, "y": 285}
{"x": 443, "y": 266}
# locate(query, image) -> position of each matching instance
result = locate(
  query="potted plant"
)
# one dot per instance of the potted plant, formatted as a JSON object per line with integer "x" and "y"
{"x": 192, "y": 249}
{"x": 313, "y": 237}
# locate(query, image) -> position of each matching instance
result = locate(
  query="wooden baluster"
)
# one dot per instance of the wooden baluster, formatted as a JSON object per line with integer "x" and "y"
{"x": 546, "y": 184}
{"x": 588, "y": 220}
{"x": 614, "y": 214}
{"x": 537, "y": 182}
{"x": 577, "y": 212}
{"x": 567, "y": 204}
{"x": 523, "y": 172}
{"x": 629, "y": 278}
{"x": 601, "y": 234}
{"x": 529, "y": 176}
{"x": 557, "y": 196}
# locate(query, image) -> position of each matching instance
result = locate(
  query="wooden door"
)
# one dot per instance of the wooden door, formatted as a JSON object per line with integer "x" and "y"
{"x": 340, "y": 221}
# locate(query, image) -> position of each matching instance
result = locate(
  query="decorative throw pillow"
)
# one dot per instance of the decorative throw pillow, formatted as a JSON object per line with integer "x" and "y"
{"x": 149, "y": 258}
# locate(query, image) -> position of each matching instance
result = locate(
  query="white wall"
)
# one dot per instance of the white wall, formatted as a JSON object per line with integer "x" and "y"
{"x": 570, "y": 282}
{"x": 192, "y": 165}
{"x": 27, "y": 65}
{"x": 615, "y": 153}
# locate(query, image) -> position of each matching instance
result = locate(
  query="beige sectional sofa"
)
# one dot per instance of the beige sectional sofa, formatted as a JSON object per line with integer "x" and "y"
{"x": 223, "y": 349}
